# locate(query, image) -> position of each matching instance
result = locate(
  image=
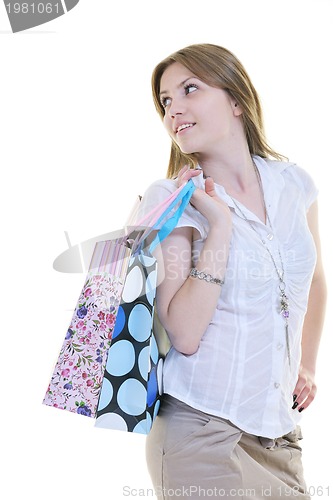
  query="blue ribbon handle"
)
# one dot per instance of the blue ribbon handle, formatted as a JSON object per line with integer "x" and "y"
{"x": 183, "y": 197}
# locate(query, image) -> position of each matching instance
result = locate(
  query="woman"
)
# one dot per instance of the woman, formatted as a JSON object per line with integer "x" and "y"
{"x": 243, "y": 292}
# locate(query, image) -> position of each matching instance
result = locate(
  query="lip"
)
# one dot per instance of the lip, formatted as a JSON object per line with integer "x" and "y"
{"x": 184, "y": 129}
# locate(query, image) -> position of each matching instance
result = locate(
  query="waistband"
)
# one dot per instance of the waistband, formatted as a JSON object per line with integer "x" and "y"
{"x": 170, "y": 404}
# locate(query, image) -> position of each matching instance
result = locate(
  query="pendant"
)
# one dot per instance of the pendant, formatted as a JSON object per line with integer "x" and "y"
{"x": 288, "y": 344}
{"x": 284, "y": 301}
{"x": 284, "y": 305}
{"x": 284, "y": 309}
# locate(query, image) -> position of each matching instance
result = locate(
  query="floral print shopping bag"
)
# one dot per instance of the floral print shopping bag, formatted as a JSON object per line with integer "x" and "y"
{"x": 77, "y": 377}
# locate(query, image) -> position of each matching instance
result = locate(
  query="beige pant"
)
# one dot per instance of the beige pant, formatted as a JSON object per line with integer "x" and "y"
{"x": 191, "y": 454}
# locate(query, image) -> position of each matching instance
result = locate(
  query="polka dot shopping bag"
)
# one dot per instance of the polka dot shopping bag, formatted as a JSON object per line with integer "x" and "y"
{"x": 110, "y": 364}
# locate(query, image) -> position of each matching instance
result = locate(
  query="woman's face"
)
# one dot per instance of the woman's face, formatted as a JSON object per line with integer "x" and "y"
{"x": 201, "y": 119}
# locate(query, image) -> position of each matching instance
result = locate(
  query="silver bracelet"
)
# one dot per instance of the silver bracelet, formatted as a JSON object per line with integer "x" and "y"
{"x": 203, "y": 276}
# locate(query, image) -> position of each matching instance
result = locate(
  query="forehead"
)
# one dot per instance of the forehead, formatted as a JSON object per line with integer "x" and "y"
{"x": 173, "y": 76}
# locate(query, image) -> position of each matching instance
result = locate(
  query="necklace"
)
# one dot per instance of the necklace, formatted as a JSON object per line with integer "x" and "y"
{"x": 284, "y": 301}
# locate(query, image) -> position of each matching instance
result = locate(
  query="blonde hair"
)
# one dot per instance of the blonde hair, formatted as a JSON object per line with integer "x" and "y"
{"x": 217, "y": 67}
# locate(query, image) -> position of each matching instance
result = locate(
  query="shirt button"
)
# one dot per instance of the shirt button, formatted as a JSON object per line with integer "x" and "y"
{"x": 276, "y": 385}
{"x": 270, "y": 236}
{"x": 279, "y": 346}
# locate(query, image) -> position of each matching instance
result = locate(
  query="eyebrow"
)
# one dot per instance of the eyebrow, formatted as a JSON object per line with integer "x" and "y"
{"x": 178, "y": 86}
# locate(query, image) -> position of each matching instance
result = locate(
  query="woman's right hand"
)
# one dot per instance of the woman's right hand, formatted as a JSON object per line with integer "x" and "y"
{"x": 206, "y": 201}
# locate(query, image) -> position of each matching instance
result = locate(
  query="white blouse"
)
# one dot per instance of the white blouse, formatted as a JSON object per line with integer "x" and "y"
{"x": 240, "y": 371}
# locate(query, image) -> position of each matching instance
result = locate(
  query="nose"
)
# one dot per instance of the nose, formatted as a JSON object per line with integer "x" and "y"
{"x": 175, "y": 108}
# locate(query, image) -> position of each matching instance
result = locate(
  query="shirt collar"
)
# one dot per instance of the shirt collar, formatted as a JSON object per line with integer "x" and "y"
{"x": 272, "y": 181}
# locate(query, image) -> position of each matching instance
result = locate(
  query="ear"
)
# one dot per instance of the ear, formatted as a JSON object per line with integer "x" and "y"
{"x": 236, "y": 109}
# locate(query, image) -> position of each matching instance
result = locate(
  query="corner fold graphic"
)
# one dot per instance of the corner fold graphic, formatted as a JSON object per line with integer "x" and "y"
{"x": 23, "y": 15}
{"x": 70, "y": 4}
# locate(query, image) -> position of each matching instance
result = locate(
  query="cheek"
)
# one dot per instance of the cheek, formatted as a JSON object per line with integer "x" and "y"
{"x": 167, "y": 122}
{"x": 221, "y": 121}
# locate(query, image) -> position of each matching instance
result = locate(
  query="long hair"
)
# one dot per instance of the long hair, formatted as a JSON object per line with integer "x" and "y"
{"x": 217, "y": 67}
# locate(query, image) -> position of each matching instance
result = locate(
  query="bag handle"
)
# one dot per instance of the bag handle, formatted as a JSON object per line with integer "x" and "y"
{"x": 155, "y": 214}
{"x": 152, "y": 218}
{"x": 183, "y": 197}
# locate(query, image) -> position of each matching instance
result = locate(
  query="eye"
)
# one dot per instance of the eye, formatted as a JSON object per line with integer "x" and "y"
{"x": 165, "y": 101}
{"x": 190, "y": 87}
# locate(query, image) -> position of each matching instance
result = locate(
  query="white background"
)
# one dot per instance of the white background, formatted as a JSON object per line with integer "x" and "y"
{"x": 79, "y": 140}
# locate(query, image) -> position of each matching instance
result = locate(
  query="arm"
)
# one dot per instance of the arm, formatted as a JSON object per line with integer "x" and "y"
{"x": 186, "y": 305}
{"x": 313, "y": 323}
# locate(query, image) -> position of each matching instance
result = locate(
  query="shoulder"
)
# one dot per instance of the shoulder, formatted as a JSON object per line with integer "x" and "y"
{"x": 298, "y": 176}
{"x": 159, "y": 190}
{"x": 155, "y": 194}
{"x": 290, "y": 170}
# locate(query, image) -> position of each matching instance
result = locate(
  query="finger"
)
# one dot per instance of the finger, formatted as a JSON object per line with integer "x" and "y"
{"x": 301, "y": 383}
{"x": 186, "y": 174}
{"x": 183, "y": 170}
{"x": 306, "y": 396}
{"x": 187, "y": 168}
{"x": 180, "y": 174}
{"x": 210, "y": 187}
{"x": 301, "y": 398}
{"x": 306, "y": 403}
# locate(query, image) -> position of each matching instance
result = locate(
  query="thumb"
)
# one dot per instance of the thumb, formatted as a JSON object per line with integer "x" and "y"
{"x": 210, "y": 187}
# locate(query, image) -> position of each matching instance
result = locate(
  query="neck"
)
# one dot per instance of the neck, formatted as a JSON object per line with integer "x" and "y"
{"x": 233, "y": 168}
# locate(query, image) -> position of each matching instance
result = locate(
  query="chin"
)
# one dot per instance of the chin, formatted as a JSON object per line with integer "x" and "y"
{"x": 187, "y": 151}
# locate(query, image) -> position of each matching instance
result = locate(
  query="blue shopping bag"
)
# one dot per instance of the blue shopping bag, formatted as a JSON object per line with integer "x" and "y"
{"x": 132, "y": 383}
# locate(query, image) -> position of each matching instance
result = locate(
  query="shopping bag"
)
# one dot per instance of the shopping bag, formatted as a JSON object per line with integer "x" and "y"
{"x": 76, "y": 380}
{"x": 119, "y": 291}
{"x": 132, "y": 384}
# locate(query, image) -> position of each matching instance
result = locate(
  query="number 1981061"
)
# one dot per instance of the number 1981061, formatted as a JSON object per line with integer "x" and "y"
{"x": 313, "y": 491}
{"x": 32, "y": 8}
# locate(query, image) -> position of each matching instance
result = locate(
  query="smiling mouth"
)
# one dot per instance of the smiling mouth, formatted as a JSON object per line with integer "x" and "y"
{"x": 184, "y": 127}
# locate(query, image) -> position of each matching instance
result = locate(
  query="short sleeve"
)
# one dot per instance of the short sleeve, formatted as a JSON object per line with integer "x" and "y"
{"x": 157, "y": 193}
{"x": 307, "y": 185}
